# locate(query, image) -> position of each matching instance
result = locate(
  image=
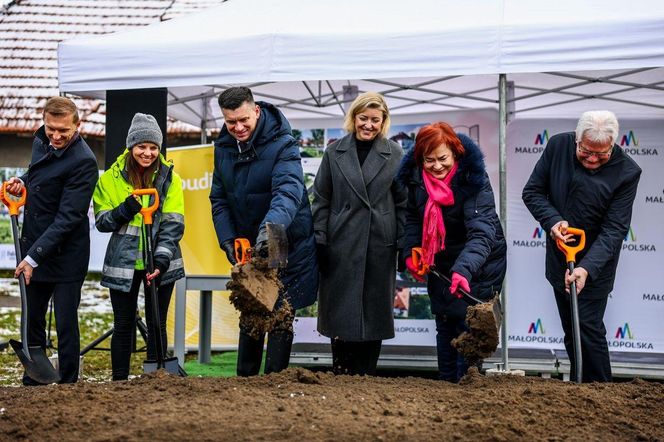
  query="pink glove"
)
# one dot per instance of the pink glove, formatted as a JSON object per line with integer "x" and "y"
{"x": 413, "y": 270}
{"x": 459, "y": 282}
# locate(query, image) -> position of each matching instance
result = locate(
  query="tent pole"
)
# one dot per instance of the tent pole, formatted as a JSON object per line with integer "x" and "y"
{"x": 204, "y": 122}
{"x": 502, "y": 129}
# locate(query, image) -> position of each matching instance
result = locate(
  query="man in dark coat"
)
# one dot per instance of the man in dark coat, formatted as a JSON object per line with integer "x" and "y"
{"x": 257, "y": 179}
{"x": 584, "y": 180}
{"x": 55, "y": 240}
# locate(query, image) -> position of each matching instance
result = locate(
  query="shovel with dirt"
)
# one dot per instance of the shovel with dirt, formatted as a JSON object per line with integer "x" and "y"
{"x": 34, "y": 359}
{"x": 484, "y": 318}
{"x": 255, "y": 284}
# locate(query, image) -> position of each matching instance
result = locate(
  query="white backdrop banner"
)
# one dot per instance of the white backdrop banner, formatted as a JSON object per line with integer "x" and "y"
{"x": 636, "y": 305}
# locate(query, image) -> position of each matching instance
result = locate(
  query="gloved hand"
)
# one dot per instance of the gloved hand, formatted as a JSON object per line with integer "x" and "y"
{"x": 161, "y": 263}
{"x": 321, "y": 255}
{"x": 129, "y": 208}
{"x": 414, "y": 270}
{"x": 401, "y": 262}
{"x": 229, "y": 248}
{"x": 261, "y": 243}
{"x": 459, "y": 282}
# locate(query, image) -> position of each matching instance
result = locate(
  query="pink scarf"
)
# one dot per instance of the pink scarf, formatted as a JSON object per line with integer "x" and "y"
{"x": 433, "y": 228}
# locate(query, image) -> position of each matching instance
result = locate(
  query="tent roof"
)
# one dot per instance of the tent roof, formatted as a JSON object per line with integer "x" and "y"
{"x": 300, "y": 54}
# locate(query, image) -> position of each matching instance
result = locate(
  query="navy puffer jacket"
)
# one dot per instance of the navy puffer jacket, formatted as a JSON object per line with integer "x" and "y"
{"x": 474, "y": 242}
{"x": 267, "y": 185}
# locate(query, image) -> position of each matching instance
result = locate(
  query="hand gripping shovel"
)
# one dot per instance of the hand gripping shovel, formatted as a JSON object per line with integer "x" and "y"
{"x": 277, "y": 258}
{"x": 416, "y": 255}
{"x": 34, "y": 359}
{"x": 169, "y": 364}
{"x": 570, "y": 255}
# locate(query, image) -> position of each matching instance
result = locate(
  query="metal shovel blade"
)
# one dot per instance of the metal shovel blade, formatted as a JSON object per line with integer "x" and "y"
{"x": 277, "y": 246}
{"x": 36, "y": 363}
{"x": 169, "y": 364}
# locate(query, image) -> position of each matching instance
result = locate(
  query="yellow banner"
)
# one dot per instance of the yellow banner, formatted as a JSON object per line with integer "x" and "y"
{"x": 200, "y": 248}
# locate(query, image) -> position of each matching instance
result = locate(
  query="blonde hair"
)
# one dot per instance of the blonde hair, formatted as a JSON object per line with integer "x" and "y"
{"x": 59, "y": 106}
{"x": 367, "y": 100}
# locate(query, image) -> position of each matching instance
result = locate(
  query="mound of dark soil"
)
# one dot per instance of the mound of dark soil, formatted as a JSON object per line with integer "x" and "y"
{"x": 301, "y": 405}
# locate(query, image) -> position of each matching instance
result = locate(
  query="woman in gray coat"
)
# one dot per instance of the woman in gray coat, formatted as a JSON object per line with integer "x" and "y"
{"x": 359, "y": 211}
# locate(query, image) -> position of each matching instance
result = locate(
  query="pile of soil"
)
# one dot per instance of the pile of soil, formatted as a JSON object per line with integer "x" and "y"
{"x": 481, "y": 340}
{"x": 301, "y": 405}
{"x": 255, "y": 290}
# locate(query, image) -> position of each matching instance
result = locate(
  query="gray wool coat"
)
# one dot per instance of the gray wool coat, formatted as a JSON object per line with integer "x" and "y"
{"x": 358, "y": 221}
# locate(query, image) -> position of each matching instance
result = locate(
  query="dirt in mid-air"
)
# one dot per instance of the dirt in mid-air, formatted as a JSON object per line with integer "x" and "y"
{"x": 254, "y": 292}
{"x": 298, "y": 404}
{"x": 482, "y": 339}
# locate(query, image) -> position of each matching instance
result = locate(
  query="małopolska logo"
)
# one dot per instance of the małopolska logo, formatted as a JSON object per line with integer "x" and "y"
{"x": 629, "y": 139}
{"x": 543, "y": 138}
{"x": 624, "y": 332}
{"x": 630, "y": 145}
{"x": 624, "y": 338}
{"x": 538, "y": 147}
{"x": 538, "y": 239}
{"x": 630, "y": 243}
{"x": 536, "y": 327}
{"x": 536, "y": 334}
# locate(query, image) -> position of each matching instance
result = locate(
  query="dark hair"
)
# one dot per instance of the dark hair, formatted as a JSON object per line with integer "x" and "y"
{"x": 139, "y": 177}
{"x": 59, "y": 106}
{"x": 432, "y": 136}
{"x": 234, "y": 97}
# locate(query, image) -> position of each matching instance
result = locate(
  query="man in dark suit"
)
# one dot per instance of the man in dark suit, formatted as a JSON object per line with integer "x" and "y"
{"x": 584, "y": 180}
{"x": 55, "y": 239}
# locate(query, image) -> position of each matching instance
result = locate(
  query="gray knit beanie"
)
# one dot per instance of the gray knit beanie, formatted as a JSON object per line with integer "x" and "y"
{"x": 144, "y": 128}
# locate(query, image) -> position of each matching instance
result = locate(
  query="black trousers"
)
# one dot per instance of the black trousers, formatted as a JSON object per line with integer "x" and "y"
{"x": 451, "y": 364}
{"x": 355, "y": 358}
{"x": 124, "y": 323}
{"x": 250, "y": 352}
{"x": 594, "y": 347}
{"x": 66, "y": 298}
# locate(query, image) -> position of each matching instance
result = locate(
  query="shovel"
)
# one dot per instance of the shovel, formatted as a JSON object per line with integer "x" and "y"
{"x": 277, "y": 247}
{"x": 277, "y": 258}
{"x": 169, "y": 364}
{"x": 34, "y": 359}
{"x": 416, "y": 255}
{"x": 570, "y": 255}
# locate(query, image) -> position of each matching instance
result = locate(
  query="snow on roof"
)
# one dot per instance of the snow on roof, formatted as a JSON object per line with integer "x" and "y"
{"x": 29, "y": 34}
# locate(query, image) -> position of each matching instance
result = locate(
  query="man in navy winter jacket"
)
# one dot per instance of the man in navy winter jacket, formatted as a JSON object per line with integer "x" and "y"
{"x": 257, "y": 179}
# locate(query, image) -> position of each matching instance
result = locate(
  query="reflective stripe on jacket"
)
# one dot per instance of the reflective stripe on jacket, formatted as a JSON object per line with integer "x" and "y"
{"x": 123, "y": 247}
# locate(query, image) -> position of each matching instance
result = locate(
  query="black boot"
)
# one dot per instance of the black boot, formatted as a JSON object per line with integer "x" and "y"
{"x": 249, "y": 355}
{"x": 279, "y": 344}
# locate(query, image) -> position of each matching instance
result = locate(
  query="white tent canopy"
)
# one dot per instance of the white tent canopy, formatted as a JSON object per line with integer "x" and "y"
{"x": 425, "y": 56}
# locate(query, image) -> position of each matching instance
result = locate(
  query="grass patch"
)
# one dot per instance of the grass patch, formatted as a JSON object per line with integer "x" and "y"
{"x": 221, "y": 365}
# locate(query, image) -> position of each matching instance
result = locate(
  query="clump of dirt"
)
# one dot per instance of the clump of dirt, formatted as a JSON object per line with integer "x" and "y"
{"x": 255, "y": 290}
{"x": 289, "y": 406}
{"x": 482, "y": 339}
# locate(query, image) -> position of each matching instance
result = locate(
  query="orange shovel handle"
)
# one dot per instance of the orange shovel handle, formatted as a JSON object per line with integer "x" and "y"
{"x": 418, "y": 262}
{"x": 242, "y": 250}
{"x": 12, "y": 204}
{"x": 571, "y": 251}
{"x": 148, "y": 211}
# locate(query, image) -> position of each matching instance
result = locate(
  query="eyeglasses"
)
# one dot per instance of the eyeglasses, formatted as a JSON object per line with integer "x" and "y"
{"x": 589, "y": 153}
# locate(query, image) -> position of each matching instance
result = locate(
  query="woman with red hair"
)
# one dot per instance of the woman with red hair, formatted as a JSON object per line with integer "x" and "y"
{"x": 452, "y": 215}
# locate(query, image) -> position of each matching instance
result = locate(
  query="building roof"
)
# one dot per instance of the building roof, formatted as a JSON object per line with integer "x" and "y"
{"x": 30, "y": 31}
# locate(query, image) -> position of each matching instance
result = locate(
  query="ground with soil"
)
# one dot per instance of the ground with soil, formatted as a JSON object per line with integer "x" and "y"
{"x": 299, "y": 404}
